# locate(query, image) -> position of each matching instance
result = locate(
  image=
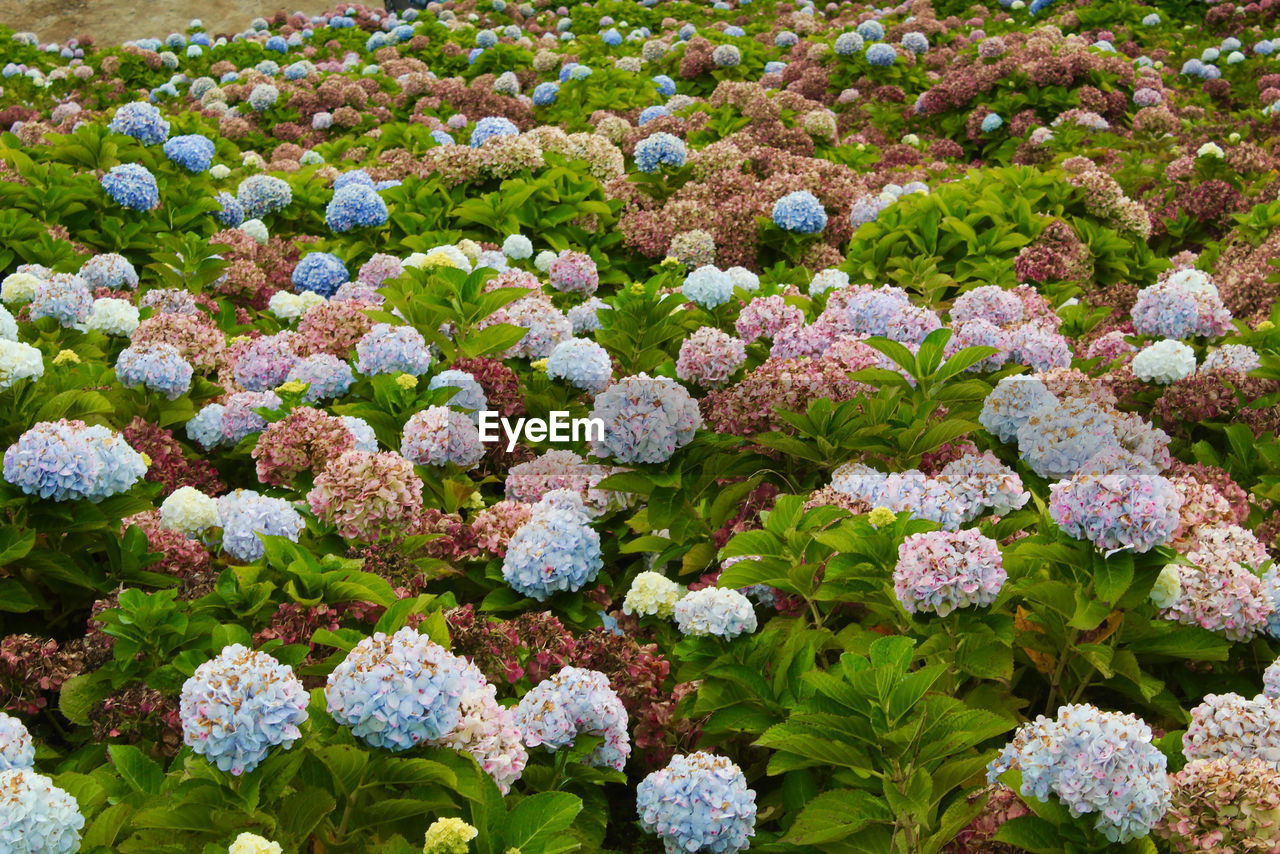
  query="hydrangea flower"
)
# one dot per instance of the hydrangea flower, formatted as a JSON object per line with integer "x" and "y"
{"x": 556, "y": 550}
{"x": 396, "y": 691}
{"x": 439, "y": 435}
{"x": 708, "y": 287}
{"x": 387, "y": 349}
{"x": 238, "y": 418}
{"x": 699, "y": 802}
{"x": 652, "y": 594}
{"x": 1271, "y": 680}
{"x": 142, "y": 121}
{"x": 940, "y": 571}
{"x": 251, "y": 843}
{"x": 710, "y": 357}
{"x": 715, "y": 611}
{"x": 239, "y": 705}
{"x": 1012, "y": 403}
{"x": 36, "y": 817}
{"x": 113, "y": 317}
{"x": 658, "y": 150}
{"x": 321, "y": 272}
{"x": 16, "y": 748}
{"x": 1164, "y": 362}
{"x": 247, "y": 514}
{"x": 1231, "y": 726}
{"x": 19, "y": 361}
{"x": 646, "y": 419}
{"x": 68, "y": 460}
{"x": 366, "y": 494}
{"x": 156, "y": 366}
{"x": 576, "y": 702}
{"x": 491, "y": 127}
{"x": 517, "y": 247}
{"x": 449, "y": 836}
{"x": 189, "y": 511}
{"x": 1184, "y": 305}
{"x": 582, "y": 363}
{"x": 132, "y": 186}
{"x": 355, "y": 206}
{"x": 573, "y": 273}
{"x": 1095, "y": 762}
{"x": 1117, "y": 511}
{"x": 259, "y": 195}
{"x": 800, "y": 212}
{"x": 205, "y": 428}
{"x": 192, "y": 152}
{"x": 469, "y": 396}
{"x": 881, "y": 54}
{"x": 109, "y": 270}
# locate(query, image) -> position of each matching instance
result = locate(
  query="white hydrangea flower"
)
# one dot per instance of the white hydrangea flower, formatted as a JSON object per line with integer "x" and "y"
{"x": 1164, "y": 362}
{"x": 189, "y": 511}
{"x": 652, "y": 594}
{"x": 113, "y": 316}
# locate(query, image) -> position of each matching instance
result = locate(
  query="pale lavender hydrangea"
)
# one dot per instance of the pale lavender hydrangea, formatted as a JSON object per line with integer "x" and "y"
{"x": 646, "y": 419}
{"x": 64, "y": 297}
{"x": 582, "y": 363}
{"x": 326, "y": 376}
{"x": 68, "y": 460}
{"x": 1271, "y": 680}
{"x": 1117, "y": 511}
{"x": 574, "y": 273}
{"x": 710, "y": 357}
{"x": 991, "y": 303}
{"x": 572, "y": 703}
{"x": 238, "y": 418}
{"x": 387, "y": 349}
{"x": 1184, "y": 305}
{"x": 247, "y": 516}
{"x": 16, "y": 748}
{"x": 941, "y": 571}
{"x": 266, "y": 362}
{"x": 1012, "y": 402}
{"x": 1232, "y": 726}
{"x": 438, "y": 436}
{"x": 157, "y": 366}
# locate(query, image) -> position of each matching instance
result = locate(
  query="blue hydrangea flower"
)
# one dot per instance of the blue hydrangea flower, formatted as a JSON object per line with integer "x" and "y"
{"x": 326, "y": 377}
{"x": 556, "y": 550}
{"x": 872, "y": 31}
{"x": 585, "y": 317}
{"x": 16, "y": 747}
{"x": 131, "y": 186}
{"x": 646, "y": 419}
{"x": 366, "y": 440}
{"x": 699, "y": 802}
{"x": 545, "y": 94}
{"x": 321, "y": 272}
{"x": 991, "y": 122}
{"x": 648, "y": 114}
{"x": 666, "y": 86}
{"x": 658, "y": 150}
{"x": 109, "y": 270}
{"x": 386, "y": 349}
{"x": 881, "y": 54}
{"x": 142, "y": 121}
{"x": 260, "y": 195}
{"x": 355, "y": 176}
{"x": 1012, "y": 402}
{"x": 708, "y": 286}
{"x": 232, "y": 214}
{"x": 205, "y": 429}
{"x": 486, "y": 38}
{"x": 67, "y": 461}
{"x": 1095, "y": 762}
{"x": 800, "y": 212}
{"x": 65, "y": 298}
{"x": 157, "y": 366}
{"x": 575, "y": 702}
{"x": 355, "y": 206}
{"x": 397, "y": 691}
{"x": 470, "y": 395}
{"x": 915, "y": 42}
{"x": 36, "y": 817}
{"x": 236, "y": 707}
{"x": 581, "y": 363}
{"x": 715, "y": 611}
{"x": 192, "y": 152}
{"x": 246, "y": 514}
{"x": 491, "y": 126}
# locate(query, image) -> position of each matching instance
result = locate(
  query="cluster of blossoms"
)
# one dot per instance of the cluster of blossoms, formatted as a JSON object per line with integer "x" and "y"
{"x": 67, "y": 460}
{"x": 576, "y": 702}
{"x": 556, "y": 550}
{"x": 715, "y": 611}
{"x": 1118, "y": 510}
{"x": 238, "y": 706}
{"x": 646, "y": 419}
{"x": 365, "y": 494}
{"x": 439, "y": 435}
{"x": 1186, "y": 304}
{"x": 37, "y": 816}
{"x": 1233, "y": 727}
{"x": 699, "y": 802}
{"x": 1094, "y": 762}
{"x": 944, "y": 570}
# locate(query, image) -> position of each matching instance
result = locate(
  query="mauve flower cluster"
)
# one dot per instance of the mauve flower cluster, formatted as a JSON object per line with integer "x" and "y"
{"x": 1222, "y": 806}
{"x": 646, "y": 419}
{"x": 1183, "y": 305}
{"x": 367, "y": 494}
{"x": 940, "y": 571}
{"x": 1117, "y": 511}
{"x": 1233, "y": 727}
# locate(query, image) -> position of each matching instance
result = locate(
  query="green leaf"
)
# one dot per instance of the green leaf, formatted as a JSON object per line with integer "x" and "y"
{"x": 141, "y": 772}
{"x": 536, "y": 822}
{"x": 1031, "y": 833}
{"x": 834, "y": 815}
